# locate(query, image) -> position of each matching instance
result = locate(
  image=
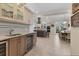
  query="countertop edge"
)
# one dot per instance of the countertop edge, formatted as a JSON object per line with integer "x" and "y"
{"x": 4, "y": 38}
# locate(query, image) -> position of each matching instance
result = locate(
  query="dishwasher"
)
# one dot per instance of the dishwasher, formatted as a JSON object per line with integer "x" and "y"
{"x": 3, "y": 48}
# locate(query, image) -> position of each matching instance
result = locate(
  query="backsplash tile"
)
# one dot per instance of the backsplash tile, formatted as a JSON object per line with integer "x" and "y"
{"x": 6, "y": 27}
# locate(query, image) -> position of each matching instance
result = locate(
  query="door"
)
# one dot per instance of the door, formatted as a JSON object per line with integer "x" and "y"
{"x": 13, "y": 48}
{"x": 22, "y": 42}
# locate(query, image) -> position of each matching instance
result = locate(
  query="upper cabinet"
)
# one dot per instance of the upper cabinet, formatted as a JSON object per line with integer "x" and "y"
{"x": 16, "y": 13}
{"x": 28, "y": 15}
{"x": 6, "y": 10}
{"x": 19, "y": 12}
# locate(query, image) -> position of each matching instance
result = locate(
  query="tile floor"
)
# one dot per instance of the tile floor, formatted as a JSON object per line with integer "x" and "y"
{"x": 51, "y": 46}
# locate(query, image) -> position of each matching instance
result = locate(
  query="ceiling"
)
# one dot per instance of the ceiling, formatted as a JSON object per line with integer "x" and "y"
{"x": 49, "y": 8}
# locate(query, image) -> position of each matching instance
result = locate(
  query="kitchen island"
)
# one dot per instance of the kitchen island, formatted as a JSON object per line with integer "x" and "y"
{"x": 41, "y": 33}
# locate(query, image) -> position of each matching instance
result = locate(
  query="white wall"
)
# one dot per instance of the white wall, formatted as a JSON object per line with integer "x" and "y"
{"x": 75, "y": 41}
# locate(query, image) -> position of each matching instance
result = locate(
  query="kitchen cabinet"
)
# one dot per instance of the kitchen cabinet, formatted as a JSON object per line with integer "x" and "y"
{"x": 28, "y": 15}
{"x": 13, "y": 46}
{"x": 19, "y": 13}
{"x": 7, "y": 10}
{"x": 22, "y": 46}
{"x": 18, "y": 46}
{"x": 14, "y": 13}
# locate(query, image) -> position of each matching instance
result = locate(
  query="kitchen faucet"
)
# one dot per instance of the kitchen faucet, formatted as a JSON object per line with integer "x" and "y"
{"x": 11, "y": 31}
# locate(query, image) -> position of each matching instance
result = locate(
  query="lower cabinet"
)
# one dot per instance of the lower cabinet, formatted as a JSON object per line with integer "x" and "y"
{"x": 13, "y": 46}
{"x": 18, "y": 46}
{"x": 21, "y": 45}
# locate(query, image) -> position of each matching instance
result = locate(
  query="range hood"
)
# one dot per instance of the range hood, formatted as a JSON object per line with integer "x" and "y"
{"x": 39, "y": 20}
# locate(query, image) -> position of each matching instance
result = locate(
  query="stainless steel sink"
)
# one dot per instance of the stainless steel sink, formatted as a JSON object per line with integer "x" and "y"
{"x": 13, "y": 35}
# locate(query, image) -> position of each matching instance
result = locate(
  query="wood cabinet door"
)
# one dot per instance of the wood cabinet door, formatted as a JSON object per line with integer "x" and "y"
{"x": 7, "y": 10}
{"x": 28, "y": 16}
{"x": 19, "y": 46}
{"x": 22, "y": 47}
{"x": 13, "y": 49}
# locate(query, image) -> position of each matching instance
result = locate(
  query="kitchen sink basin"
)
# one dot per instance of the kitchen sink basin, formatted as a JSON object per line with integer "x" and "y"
{"x": 13, "y": 35}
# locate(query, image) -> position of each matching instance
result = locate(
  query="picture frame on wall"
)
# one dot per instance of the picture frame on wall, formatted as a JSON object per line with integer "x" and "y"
{"x": 75, "y": 20}
{"x": 75, "y": 7}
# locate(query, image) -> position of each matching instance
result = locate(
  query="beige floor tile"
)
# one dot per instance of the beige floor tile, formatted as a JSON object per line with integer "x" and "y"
{"x": 51, "y": 46}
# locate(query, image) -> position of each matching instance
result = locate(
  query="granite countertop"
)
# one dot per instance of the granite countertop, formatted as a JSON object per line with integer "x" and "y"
{"x": 5, "y": 37}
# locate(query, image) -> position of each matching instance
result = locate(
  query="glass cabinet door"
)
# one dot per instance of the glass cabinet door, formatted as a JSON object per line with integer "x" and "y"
{"x": 19, "y": 15}
{"x": 7, "y": 10}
